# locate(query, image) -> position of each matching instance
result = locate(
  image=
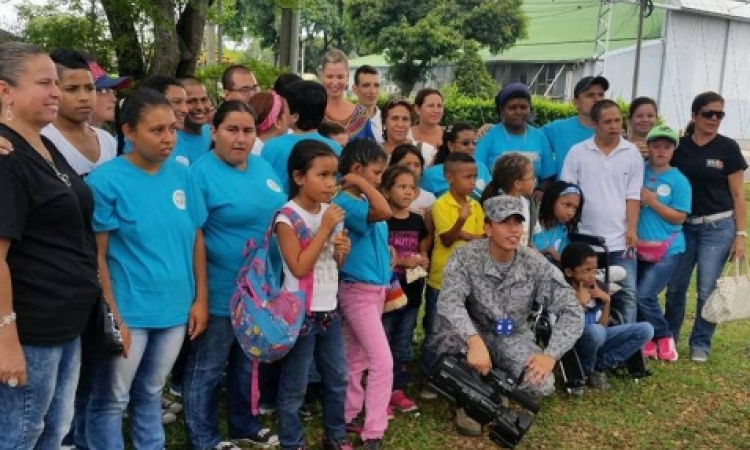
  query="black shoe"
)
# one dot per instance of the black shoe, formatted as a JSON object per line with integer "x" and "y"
{"x": 262, "y": 439}
{"x": 372, "y": 444}
{"x": 355, "y": 426}
{"x": 342, "y": 444}
{"x": 305, "y": 413}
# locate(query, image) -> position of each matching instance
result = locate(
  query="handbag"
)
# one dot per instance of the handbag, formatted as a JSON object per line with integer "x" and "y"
{"x": 394, "y": 296}
{"x": 729, "y": 300}
{"x": 653, "y": 251}
{"x": 101, "y": 338}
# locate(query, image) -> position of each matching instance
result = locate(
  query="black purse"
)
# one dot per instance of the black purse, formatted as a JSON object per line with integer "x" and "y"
{"x": 101, "y": 338}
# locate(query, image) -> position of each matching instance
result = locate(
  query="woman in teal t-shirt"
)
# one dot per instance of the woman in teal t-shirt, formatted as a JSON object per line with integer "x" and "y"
{"x": 665, "y": 203}
{"x": 242, "y": 193}
{"x": 147, "y": 216}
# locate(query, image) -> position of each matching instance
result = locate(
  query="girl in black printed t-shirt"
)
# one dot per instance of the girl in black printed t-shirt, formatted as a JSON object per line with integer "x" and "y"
{"x": 715, "y": 229}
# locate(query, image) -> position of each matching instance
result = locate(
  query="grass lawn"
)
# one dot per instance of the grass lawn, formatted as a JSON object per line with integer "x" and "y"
{"x": 682, "y": 406}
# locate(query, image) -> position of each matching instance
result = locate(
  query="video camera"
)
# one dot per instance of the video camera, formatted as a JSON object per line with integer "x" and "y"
{"x": 481, "y": 397}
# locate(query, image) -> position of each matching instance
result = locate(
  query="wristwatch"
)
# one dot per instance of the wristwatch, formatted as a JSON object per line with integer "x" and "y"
{"x": 741, "y": 233}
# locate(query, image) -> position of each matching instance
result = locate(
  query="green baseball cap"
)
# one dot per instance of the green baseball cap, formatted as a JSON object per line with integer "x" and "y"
{"x": 663, "y": 132}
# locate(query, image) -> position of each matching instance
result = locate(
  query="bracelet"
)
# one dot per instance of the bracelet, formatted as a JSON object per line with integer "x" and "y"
{"x": 7, "y": 320}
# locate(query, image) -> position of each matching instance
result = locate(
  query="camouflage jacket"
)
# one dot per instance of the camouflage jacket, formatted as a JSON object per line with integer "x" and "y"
{"x": 475, "y": 294}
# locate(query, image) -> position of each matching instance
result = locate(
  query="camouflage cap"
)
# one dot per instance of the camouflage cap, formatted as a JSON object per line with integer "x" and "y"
{"x": 498, "y": 209}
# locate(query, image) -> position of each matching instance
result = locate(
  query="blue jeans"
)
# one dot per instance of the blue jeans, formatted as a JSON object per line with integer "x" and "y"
{"x": 652, "y": 279}
{"x": 429, "y": 347}
{"x": 208, "y": 356}
{"x": 399, "y": 327}
{"x": 603, "y": 348}
{"x": 135, "y": 383}
{"x": 707, "y": 246}
{"x": 320, "y": 341}
{"x": 38, "y": 415}
{"x": 626, "y": 301}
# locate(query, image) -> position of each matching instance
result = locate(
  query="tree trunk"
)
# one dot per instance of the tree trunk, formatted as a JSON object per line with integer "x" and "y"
{"x": 190, "y": 30}
{"x": 166, "y": 42}
{"x": 122, "y": 20}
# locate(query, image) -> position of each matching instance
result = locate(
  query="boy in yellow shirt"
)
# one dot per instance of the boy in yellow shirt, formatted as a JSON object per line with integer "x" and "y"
{"x": 457, "y": 219}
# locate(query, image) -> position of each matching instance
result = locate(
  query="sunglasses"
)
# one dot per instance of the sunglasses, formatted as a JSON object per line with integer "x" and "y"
{"x": 467, "y": 142}
{"x": 709, "y": 113}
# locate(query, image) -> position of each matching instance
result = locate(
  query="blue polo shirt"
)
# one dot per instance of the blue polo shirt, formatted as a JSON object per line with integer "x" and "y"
{"x": 433, "y": 180}
{"x": 151, "y": 220}
{"x": 673, "y": 190}
{"x": 240, "y": 205}
{"x": 562, "y": 135}
{"x": 369, "y": 260}
{"x": 533, "y": 144}
{"x": 277, "y": 150}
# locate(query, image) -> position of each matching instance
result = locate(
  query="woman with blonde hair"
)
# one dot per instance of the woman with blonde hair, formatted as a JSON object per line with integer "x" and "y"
{"x": 335, "y": 78}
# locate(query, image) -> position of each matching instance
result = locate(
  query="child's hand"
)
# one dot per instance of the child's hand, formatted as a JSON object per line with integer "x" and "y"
{"x": 648, "y": 198}
{"x": 352, "y": 180}
{"x": 552, "y": 253}
{"x": 599, "y": 294}
{"x": 424, "y": 261}
{"x": 341, "y": 246}
{"x": 583, "y": 294}
{"x": 394, "y": 257}
{"x": 465, "y": 211}
{"x": 333, "y": 216}
{"x": 412, "y": 261}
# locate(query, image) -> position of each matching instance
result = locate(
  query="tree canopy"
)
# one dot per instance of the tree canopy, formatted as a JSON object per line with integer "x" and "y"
{"x": 416, "y": 36}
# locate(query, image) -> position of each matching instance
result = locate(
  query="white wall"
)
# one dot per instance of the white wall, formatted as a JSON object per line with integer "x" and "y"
{"x": 695, "y": 57}
{"x": 620, "y": 66}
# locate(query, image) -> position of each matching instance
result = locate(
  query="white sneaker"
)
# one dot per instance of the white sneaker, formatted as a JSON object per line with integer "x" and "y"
{"x": 427, "y": 395}
{"x": 168, "y": 417}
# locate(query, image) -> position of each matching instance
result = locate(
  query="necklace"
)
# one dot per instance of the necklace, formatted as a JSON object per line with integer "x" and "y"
{"x": 60, "y": 176}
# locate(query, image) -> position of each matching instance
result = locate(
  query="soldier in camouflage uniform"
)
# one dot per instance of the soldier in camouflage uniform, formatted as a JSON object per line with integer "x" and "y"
{"x": 488, "y": 290}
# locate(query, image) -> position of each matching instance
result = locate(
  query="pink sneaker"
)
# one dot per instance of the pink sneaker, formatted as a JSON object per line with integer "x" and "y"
{"x": 649, "y": 350}
{"x": 389, "y": 413}
{"x": 667, "y": 349}
{"x": 400, "y": 402}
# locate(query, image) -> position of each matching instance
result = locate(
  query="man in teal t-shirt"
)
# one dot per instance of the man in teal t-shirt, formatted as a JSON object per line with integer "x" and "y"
{"x": 563, "y": 134}
{"x": 195, "y": 138}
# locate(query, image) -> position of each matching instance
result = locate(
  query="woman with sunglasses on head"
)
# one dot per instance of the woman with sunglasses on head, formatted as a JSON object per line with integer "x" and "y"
{"x": 397, "y": 120}
{"x": 514, "y": 134}
{"x": 458, "y": 137}
{"x": 715, "y": 229}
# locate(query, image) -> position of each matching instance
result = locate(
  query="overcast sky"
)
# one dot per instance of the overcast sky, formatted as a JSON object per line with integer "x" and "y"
{"x": 8, "y": 18}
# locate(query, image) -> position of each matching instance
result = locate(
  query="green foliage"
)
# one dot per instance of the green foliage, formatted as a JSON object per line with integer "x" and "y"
{"x": 210, "y": 75}
{"x": 472, "y": 78}
{"x": 51, "y": 29}
{"x": 416, "y": 36}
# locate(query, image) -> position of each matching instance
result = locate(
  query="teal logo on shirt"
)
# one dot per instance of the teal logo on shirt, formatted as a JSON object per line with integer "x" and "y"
{"x": 273, "y": 186}
{"x": 178, "y": 197}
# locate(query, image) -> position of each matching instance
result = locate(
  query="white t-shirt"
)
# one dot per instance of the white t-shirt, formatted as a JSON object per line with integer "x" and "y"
{"x": 326, "y": 271}
{"x": 428, "y": 153}
{"x": 607, "y": 182}
{"x": 257, "y": 146}
{"x": 422, "y": 203}
{"x": 376, "y": 122}
{"x": 79, "y": 163}
{"x": 525, "y": 239}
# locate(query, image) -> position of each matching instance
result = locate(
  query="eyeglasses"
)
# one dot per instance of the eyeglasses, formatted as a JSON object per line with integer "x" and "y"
{"x": 709, "y": 113}
{"x": 247, "y": 90}
{"x": 467, "y": 142}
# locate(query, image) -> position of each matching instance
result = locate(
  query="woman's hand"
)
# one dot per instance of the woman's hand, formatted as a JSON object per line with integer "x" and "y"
{"x": 125, "y": 333}
{"x": 648, "y": 198}
{"x": 13, "y": 361}
{"x": 198, "y": 319}
{"x": 738, "y": 248}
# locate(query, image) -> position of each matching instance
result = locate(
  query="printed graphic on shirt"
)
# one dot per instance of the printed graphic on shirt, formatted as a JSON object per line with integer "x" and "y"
{"x": 178, "y": 197}
{"x": 715, "y": 163}
{"x": 182, "y": 160}
{"x": 273, "y": 186}
{"x": 406, "y": 244}
{"x": 663, "y": 190}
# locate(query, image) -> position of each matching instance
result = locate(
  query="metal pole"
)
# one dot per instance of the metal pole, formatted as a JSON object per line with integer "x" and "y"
{"x": 638, "y": 45}
{"x": 219, "y": 32}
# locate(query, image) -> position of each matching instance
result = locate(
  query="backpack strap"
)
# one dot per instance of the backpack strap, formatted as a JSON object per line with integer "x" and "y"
{"x": 304, "y": 234}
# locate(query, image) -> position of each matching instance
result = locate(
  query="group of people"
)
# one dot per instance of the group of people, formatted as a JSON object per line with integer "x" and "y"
{"x": 375, "y": 216}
